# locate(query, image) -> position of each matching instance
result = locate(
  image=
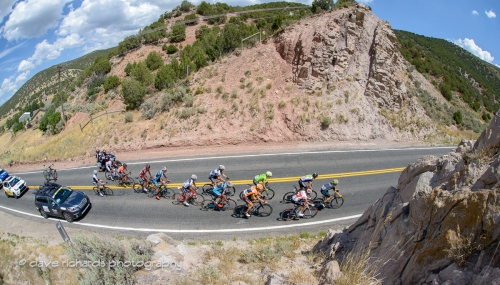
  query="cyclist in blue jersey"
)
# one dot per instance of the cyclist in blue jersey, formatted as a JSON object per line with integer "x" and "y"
{"x": 159, "y": 179}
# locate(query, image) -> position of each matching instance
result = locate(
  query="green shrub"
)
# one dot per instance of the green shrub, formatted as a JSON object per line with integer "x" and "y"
{"x": 154, "y": 61}
{"x": 149, "y": 109}
{"x": 129, "y": 117}
{"x": 457, "y": 116}
{"x": 133, "y": 93}
{"x": 171, "y": 49}
{"x": 165, "y": 77}
{"x": 325, "y": 122}
{"x": 111, "y": 82}
{"x": 486, "y": 116}
{"x": 113, "y": 254}
{"x": 185, "y": 6}
{"x": 178, "y": 33}
{"x": 141, "y": 73}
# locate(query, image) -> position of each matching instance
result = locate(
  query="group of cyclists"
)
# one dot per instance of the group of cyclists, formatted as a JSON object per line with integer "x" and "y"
{"x": 220, "y": 182}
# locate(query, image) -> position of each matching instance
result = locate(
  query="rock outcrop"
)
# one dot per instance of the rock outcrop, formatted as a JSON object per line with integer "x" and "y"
{"x": 440, "y": 225}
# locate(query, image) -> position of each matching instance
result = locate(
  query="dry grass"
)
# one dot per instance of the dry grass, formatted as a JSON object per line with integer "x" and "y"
{"x": 358, "y": 268}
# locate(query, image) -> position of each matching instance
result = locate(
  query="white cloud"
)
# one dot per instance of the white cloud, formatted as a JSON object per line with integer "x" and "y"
{"x": 25, "y": 65}
{"x": 9, "y": 50}
{"x": 490, "y": 14}
{"x": 46, "y": 51}
{"x": 32, "y": 18}
{"x": 474, "y": 12}
{"x": 5, "y": 8}
{"x": 22, "y": 77}
{"x": 7, "y": 86}
{"x": 471, "y": 46}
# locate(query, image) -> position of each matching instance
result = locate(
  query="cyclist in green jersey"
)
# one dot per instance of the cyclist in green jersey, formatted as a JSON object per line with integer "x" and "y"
{"x": 262, "y": 179}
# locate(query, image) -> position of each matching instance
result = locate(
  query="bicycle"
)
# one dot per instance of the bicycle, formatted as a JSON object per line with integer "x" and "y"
{"x": 104, "y": 190}
{"x": 262, "y": 210}
{"x": 49, "y": 173}
{"x": 336, "y": 201}
{"x": 129, "y": 181}
{"x": 207, "y": 189}
{"x": 226, "y": 204}
{"x": 138, "y": 187}
{"x": 292, "y": 214}
{"x": 167, "y": 193}
{"x": 287, "y": 198}
{"x": 197, "y": 200}
{"x": 266, "y": 194}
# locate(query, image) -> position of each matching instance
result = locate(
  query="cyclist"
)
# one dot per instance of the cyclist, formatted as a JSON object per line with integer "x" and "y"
{"x": 306, "y": 181}
{"x": 262, "y": 179}
{"x": 98, "y": 183}
{"x": 188, "y": 189}
{"x": 219, "y": 191}
{"x": 111, "y": 166}
{"x": 217, "y": 174}
{"x": 123, "y": 171}
{"x": 300, "y": 199}
{"x": 327, "y": 187}
{"x": 249, "y": 196}
{"x": 159, "y": 179}
{"x": 144, "y": 177}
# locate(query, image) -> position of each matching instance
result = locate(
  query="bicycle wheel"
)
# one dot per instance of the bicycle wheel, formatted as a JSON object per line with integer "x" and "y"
{"x": 230, "y": 205}
{"x": 54, "y": 174}
{"x": 336, "y": 202}
{"x": 138, "y": 188}
{"x": 118, "y": 181}
{"x": 46, "y": 174}
{"x": 108, "y": 192}
{"x": 129, "y": 182}
{"x": 287, "y": 215}
{"x": 108, "y": 175}
{"x": 95, "y": 190}
{"x": 310, "y": 212}
{"x": 199, "y": 201}
{"x": 312, "y": 195}
{"x": 167, "y": 193}
{"x": 207, "y": 189}
{"x": 287, "y": 198}
{"x": 268, "y": 193}
{"x": 230, "y": 191}
{"x": 264, "y": 210}
{"x": 152, "y": 193}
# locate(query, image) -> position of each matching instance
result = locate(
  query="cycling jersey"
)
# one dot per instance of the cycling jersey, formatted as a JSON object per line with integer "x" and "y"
{"x": 188, "y": 183}
{"x": 143, "y": 172}
{"x": 327, "y": 187}
{"x": 121, "y": 169}
{"x": 307, "y": 178}
{"x": 261, "y": 178}
{"x": 300, "y": 196}
{"x": 250, "y": 191}
{"x": 215, "y": 173}
{"x": 95, "y": 180}
{"x": 158, "y": 175}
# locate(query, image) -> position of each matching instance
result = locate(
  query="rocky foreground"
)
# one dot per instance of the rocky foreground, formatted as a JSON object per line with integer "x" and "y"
{"x": 439, "y": 226}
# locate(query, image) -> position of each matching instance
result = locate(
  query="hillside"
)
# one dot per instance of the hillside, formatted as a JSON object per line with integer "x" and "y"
{"x": 336, "y": 76}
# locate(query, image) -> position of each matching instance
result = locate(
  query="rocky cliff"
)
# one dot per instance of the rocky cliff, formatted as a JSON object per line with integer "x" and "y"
{"x": 440, "y": 225}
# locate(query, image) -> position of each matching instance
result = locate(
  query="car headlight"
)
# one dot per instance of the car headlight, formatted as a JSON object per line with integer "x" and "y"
{"x": 72, "y": 209}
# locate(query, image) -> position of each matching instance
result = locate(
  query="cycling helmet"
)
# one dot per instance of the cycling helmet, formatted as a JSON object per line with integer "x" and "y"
{"x": 104, "y": 152}
{"x": 125, "y": 164}
{"x": 112, "y": 154}
{"x": 96, "y": 151}
{"x": 164, "y": 168}
{"x": 95, "y": 171}
{"x": 229, "y": 184}
{"x": 335, "y": 182}
{"x": 269, "y": 174}
{"x": 194, "y": 177}
{"x": 221, "y": 167}
{"x": 315, "y": 175}
{"x": 259, "y": 187}
{"x": 148, "y": 166}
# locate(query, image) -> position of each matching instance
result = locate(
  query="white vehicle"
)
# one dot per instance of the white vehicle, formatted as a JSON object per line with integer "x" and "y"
{"x": 14, "y": 186}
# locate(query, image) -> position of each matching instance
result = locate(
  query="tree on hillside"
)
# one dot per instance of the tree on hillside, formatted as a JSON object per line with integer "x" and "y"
{"x": 185, "y": 6}
{"x": 165, "y": 77}
{"x": 322, "y": 5}
{"x": 111, "y": 83}
{"x": 191, "y": 17}
{"x": 178, "y": 33}
{"x": 133, "y": 93}
{"x": 142, "y": 73}
{"x": 204, "y": 8}
{"x": 101, "y": 65}
{"x": 154, "y": 61}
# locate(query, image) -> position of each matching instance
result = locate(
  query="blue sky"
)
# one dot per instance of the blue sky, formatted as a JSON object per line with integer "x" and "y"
{"x": 37, "y": 34}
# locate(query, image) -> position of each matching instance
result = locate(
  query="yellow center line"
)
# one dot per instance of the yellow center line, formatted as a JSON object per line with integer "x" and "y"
{"x": 271, "y": 180}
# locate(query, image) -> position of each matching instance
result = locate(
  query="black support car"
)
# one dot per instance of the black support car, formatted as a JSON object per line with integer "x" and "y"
{"x": 60, "y": 201}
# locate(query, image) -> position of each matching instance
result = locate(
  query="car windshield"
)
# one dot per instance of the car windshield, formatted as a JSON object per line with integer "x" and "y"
{"x": 62, "y": 194}
{"x": 14, "y": 181}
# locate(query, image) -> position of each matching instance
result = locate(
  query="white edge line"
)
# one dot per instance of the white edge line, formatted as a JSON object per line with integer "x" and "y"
{"x": 253, "y": 155}
{"x": 196, "y": 231}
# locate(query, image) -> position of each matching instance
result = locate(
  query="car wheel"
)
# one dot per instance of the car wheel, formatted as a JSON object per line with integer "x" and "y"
{"x": 16, "y": 196}
{"x": 44, "y": 215}
{"x": 6, "y": 194}
{"x": 68, "y": 217}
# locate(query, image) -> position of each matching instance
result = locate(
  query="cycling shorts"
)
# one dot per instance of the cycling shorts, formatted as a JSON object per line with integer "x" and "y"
{"x": 325, "y": 193}
{"x": 217, "y": 192}
{"x": 303, "y": 184}
{"x": 143, "y": 175}
{"x": 246, "y": 199}
{"x": 299, "y": 202}
{"x": 213, "y": 178}
{"x": 156, "y": 183}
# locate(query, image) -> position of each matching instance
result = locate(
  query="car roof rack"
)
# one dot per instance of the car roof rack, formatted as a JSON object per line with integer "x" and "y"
{"x": 47, "y": 187}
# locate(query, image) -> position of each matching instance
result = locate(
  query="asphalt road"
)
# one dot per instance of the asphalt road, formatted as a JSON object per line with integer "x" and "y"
{"x": 130, "y": 212}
